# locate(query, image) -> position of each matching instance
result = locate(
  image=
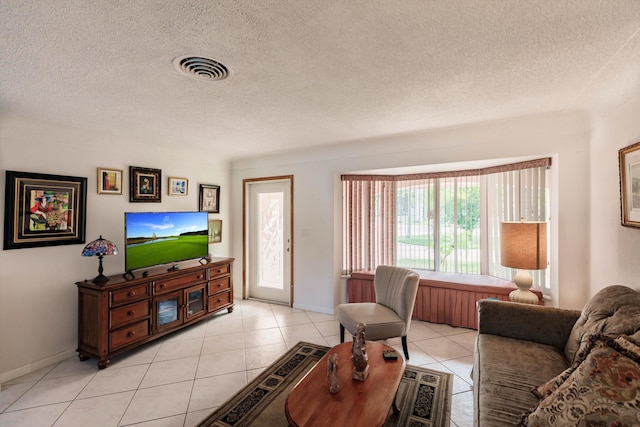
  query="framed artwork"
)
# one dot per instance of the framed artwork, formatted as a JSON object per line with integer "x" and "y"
{"x": 629, "y": 160}
{"x": 209, "y": 198}
{"x": 44, "y": 210}
{"x": 109, "y": 181}
{"x": 215, "y": 230}
{"x": 144, "y": 184}
{"x": 178, "y": 186}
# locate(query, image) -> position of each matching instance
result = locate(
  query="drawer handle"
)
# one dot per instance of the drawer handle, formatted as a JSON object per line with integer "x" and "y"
{"x": 131, "y": 333}
{"x": 132, "y": 294}
{"x": 200, "y": 276}
{"x": 219, "y": 285}
{"x": 163, "y": 285}
{"x": 131, "y": 312}
{"x": 219, "y": 299}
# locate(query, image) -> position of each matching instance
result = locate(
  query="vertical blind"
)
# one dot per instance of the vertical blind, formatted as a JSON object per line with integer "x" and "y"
{"x": 445, "y": 221}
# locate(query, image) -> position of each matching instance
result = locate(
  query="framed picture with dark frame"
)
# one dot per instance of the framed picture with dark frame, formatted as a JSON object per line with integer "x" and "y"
{"x": 145, "y": 184}
{"x": 215, "y": 230}
{"x": 629, "y": 159}
{"x": 178, "y": 186}
{"x": 209, "y": 200}
{"x": 44, "y": 210}
{"x": 109, "y": 181}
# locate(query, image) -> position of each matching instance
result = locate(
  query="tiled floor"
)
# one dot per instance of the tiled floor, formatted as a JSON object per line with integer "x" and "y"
{"x": 178, "y": 380}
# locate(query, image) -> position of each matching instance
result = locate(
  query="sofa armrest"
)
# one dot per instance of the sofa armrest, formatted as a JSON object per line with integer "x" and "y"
{"x": 545, "y": 325}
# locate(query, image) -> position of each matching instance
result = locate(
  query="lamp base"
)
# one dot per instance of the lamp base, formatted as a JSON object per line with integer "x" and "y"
{"x": 100, "y": 278}
{"x": 523, "y": 281}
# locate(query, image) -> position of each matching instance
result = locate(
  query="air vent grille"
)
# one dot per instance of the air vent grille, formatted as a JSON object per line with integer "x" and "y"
{"x": 201, "y": 68}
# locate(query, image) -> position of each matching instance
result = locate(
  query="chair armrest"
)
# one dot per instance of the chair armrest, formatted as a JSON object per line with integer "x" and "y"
{"x": 545, "y": 325}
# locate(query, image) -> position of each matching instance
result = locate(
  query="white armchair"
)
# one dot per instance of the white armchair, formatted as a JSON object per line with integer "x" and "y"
{"x": 390, "y": 315}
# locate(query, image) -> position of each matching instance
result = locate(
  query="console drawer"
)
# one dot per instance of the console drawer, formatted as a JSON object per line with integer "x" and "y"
{"x": 179, "y": 282}
{"x": 127, "y": 314}
{"x": 219, "y": 270}
{"x": 126, "y": 295}
{"x": 219, "y": 300}
{"x": 219, "y": 285}
{"x": 128, "y": 334}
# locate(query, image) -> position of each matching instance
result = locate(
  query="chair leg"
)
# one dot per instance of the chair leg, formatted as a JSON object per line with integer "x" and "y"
{"x": 341, "y": 333}
{"x": 404, "y": 347}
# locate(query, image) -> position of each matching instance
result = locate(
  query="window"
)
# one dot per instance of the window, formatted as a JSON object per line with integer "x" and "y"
{"x": 441, "y": 221}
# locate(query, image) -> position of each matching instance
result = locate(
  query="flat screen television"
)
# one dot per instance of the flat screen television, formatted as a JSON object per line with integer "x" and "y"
{"x": 156, "y": 238}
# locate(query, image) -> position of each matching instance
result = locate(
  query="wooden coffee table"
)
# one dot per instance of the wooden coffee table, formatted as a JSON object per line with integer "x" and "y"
{"x": 357, "y": 403}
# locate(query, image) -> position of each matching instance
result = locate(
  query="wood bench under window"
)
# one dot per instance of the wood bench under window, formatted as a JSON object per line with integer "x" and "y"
{"x": 442, "y": 297}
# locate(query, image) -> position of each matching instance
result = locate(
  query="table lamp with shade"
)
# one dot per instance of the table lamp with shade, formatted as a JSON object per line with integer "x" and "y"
{"x": 523, "y": 245}
{"x": 100, "y": 248}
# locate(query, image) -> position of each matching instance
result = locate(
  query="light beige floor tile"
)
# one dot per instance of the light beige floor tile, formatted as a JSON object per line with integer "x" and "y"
{"x": 329, "y": 328}
{"x": 12, "y": 392}
{"x": 170, "y": 371}
{"x": 158, "y": 402}
{"x": 262, "y": 337}
{"x": 221, "y": 325}
{"x": 320, "y": 317}
{"x": 174, "y": 421}
{"x": 259, "y": 322}
{"x": 72, "y": 366}
{"x": 442, "y": 349}
{"x": 103, "y": 411}
{"x": 56, "y": 390}
{"x": 263, "y": 356}
{"x": 419, "y": 331}
{"x": 140, "y": 356}
{"x": 462, "y": 409}
{"x": 212, "y": 392}
{"x": 221, "y": 363}
{"x": 114, "y": 380}
{"x": 292, "y": 319}
{"x": 195, "y": 417}
{"x": 283, "y": 309}
{"x": 40, "y": 416}
{"x": 190, "y": 332}
{"x": 461, "y": 367}
{"x": 312, "y": 340}
{"x": 253, "y": 373}
{"x": 224, "y": 342}
{"x": 179, "y": 349}
{"x": 417, "y": 357}
{"x": 467, "y": 340}
{"x": 300, "y": 332}
{"x": 446, "y": 330}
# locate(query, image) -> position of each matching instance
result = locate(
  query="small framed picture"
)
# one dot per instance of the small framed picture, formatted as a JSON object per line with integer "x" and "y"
{"x": 215, "y": 230}
{"x": 629, "y": 158}
{"x": 144, "y": 184}
{"x": 178, "y": 186}
{"x": 209, "y": 198}
{"x": 109, "y": 181}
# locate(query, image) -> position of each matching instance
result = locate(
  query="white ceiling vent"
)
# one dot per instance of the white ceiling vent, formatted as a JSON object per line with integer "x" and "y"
{"x": 201, "y": 68}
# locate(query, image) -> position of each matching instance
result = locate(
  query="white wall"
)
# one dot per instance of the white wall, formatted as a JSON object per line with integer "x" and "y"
{"x": 614, "y": 248}
{"x": 38, "y": 298}
{"x": 317, "y": 193}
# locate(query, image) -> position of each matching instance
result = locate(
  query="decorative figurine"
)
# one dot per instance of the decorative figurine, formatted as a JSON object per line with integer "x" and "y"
{"x": 359, "y": 354}
{"x": 332, "y": 373}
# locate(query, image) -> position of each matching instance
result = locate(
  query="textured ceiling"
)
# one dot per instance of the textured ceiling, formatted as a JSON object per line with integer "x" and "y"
{"x": 311, "y": 72}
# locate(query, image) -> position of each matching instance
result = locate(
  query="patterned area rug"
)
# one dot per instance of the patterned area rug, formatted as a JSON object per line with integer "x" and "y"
{"x": 424, "y": 395}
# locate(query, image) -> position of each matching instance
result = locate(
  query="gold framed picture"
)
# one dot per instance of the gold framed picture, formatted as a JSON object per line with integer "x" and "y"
{"x": 109, "y": 181}
{"x": 629, "y": 160}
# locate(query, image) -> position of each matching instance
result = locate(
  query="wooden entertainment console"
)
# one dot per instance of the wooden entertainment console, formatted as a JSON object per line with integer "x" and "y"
{"x": 124, "y": 313}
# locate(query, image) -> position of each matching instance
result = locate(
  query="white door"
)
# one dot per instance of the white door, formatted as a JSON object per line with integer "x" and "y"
{"x": 268, "y": 245}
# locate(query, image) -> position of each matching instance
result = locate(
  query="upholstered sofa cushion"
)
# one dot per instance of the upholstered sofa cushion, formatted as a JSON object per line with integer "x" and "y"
{"x": 505, "y": 371}
{"x": 602, "y": 387}
{"x": 614, "y": 311}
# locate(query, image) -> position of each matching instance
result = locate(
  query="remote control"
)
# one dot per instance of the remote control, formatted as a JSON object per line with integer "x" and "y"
{"x": 389, "y": 355}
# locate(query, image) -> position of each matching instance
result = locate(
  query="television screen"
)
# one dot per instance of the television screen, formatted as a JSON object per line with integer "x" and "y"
{"x": 154, "y": 238}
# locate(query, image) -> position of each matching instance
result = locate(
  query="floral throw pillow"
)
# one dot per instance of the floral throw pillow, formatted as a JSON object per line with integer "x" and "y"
{"x": 603, "y": 388}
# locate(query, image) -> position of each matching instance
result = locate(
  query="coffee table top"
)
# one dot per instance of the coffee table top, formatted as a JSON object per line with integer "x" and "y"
{"x": 357, "y": 403}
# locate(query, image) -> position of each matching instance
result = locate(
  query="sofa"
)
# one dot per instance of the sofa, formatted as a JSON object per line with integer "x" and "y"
{"x": 537, "y": 365}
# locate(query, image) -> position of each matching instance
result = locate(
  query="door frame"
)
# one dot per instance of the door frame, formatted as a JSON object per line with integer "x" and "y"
{"x": 245, "y": 233}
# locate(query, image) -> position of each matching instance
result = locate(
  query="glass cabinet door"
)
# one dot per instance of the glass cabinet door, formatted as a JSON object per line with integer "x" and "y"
{"x": 168, "y": 311}
{"x": 195, "y": 301}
